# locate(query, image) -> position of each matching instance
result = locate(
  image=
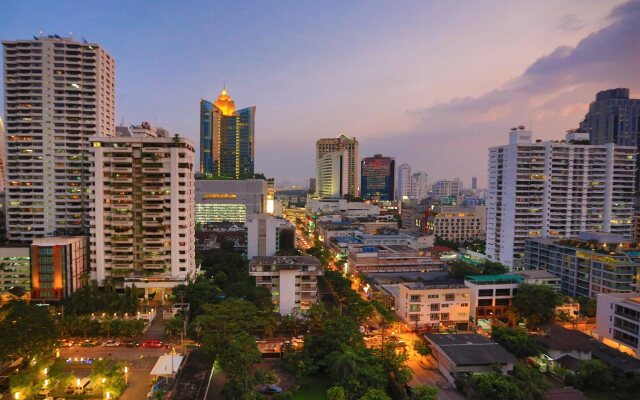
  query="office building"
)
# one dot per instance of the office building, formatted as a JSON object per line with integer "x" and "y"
{"x": 58, "y": 92}
{"x": 555, "y": 189}
{"x": 419, "y": 186}
{"x": 460, "y": 224}
{"x": 292, "y": 281}
{"x": 474, "y": 183}
{"x": 435, "y": 305}
{"x": 446, "y": 187}
{"x": 332, "y": 174}
{"x": 588, "y": 264}
{"x": 378, "y": 178}
{"x": 403, "y": 182}
{"x": 15, "y": 267}
{"x": 229, "y": 200}
{"x": 227, "y": 143}
{"x": 312, "y": 186}
{"x": 490, "y": 296}
{"x": 339, "y": 144}
{"x": 266, "y": 235}
{"x": 57, "y": 267}
{"x": 613, "y": 118}
{"x": 618, "y": 321}
{"x": 142, "y": 225}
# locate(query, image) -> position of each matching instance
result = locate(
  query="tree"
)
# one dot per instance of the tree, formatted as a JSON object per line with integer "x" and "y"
{"x": 492, "y": 268}
{"x": 530, "y": 380}
{"x": 587, "y": 306}
{"x": 375, "y": 394}
{"x": 237, "y": 360}
{"x": 336, "y": 393}
{"x": 26, "y": 330}
{"x": 594, "y": 374}
{"x": 421, "y": 348}
{"x": 536, "y": 304}
{"x": 460, "y": 270}
{"x": 425, "y": 392}
{"x": 495, "y": 386}
{"x": 517, "y": 341}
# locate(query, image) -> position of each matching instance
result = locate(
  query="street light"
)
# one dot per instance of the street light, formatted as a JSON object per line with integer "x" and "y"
{"x": 126, "y": 375}
{"x": 16, "y": 395}
{"x": 108, "y": 395}
{"x": 44, "y": 371}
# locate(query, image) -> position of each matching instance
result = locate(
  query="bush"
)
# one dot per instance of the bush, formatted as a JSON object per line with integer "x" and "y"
{"x": 283, "y": 396}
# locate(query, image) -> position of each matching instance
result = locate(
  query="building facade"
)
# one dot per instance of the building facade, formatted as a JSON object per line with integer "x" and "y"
{"x": 446, "y": 187}
{"x": 392, "y": 258}
{"x": 229, "y": 200}
{"x": 15, "y": 267}
{"x": 378, "y": 176}
{"x": 57, "y": 93}
{"x": 460, "y": 224}
{"x": 419, "y": 186}
{"x": 555, "y": 189}
{"x": 57, "y": 267}
{"x": 332, "y": 179}
{"x": 143, "y": 206}
{"x": 227, "y": 146}
{"x": 266, "y": 235}
{"x": 403, "y": 187}
{"x": 618, "y": 321}
{"x": 613, "y": 118}
{"x": 341, "y": 143}
{"x": 433, "y": 305}
{"x": 490, "y": 296}
{"x": 292, "y": 281}
{"x": 588, "y": 264}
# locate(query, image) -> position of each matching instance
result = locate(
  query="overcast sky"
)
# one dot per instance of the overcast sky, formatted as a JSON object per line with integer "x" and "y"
{"x": 432, "y": 83}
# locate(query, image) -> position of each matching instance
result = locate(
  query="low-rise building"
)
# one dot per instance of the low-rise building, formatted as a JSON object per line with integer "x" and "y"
{"x": 15, "y": 267}
{"x": 291, "y": 280}
{"x": 618, "y": 321}
{"x": 457, "y": 354}
{"x": 491, "y": 295}
{"x": 433, "y": 305}
{"x": 460, "y": 224}
{"x": 539, "y": 277}
{"x": 266, "y": 235}
{"x": 592, "y": 263}
{"x": 57, "y": 267}
{"x": 392, "y": 258}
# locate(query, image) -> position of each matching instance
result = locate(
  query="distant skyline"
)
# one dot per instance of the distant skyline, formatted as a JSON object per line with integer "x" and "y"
{"x": 433, "y": 84}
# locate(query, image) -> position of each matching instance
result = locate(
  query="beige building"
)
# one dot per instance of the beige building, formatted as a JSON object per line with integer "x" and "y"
{"x": 460, "y": 224}
{"x": 391, "y": 258}
{"x": 433, "y": 305}
{"x": 142, "y": 225}
{"x": 58, "y": 93}
{"x": 339, "y": 144}
{"x": 293, "y": 281}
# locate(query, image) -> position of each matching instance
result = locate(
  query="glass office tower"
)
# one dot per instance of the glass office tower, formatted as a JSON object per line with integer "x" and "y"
{"x": 378, "y": 177}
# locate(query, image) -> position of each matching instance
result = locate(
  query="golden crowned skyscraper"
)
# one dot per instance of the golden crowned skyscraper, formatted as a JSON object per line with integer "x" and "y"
{"x": 227, "y": 144}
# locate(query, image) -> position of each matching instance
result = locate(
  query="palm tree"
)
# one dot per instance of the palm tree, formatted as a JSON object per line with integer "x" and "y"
{"x": 344, "y": 366}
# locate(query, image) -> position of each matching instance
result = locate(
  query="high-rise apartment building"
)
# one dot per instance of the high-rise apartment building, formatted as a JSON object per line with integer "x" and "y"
{"x": 3, "y": 169}
{"x": 142, "y": 223}
{"x": 474, "y": 183}
{"x": 403, "y": 182}
{"x": 613, "y": 118}
{"x": 555, "y": 189}
{"x": 227, "y": 146}
{"x": 378, "y": 178}
{"x": 57, "y": 93}
{"x": 332, "y": 174}
{"x": 446, "y": 187}
{"x": 618, "y": 321}
{"x": 341, "y": 143}
{"x": 419, "y": 186}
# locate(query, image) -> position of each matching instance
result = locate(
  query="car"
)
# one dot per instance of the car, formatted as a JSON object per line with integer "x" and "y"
{"x": 64, "y": 343}
{"x": 111, "y": 343}
{"x": 152, "y": 344}
{"x": 88, "y": 343}
{"x": 130, "y": 343}
{"x": 271, "y": 389}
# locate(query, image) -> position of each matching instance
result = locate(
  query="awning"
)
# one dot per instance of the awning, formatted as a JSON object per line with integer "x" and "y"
{"x": 167, "y": 365}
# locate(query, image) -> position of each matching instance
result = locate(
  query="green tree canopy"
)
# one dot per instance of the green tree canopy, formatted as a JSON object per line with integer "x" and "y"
{"x": 25, "y": 330}
{"x": 496, "y": 386}
{"x": 237, "y": 359}
{"x": 517, "y": 341}
{"x": 594, "y": 374}
{"x": 375, "y": 394}
{"x": 336, "y": 393}
{"x": 425, "y": 392}
{"x": 536, "y": 304}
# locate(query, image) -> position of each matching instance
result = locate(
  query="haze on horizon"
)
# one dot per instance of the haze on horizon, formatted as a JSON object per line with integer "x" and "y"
{"x": 431, "y": 83}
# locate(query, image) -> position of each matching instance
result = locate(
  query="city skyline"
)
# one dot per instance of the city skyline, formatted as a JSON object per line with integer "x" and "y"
{"x": 415, "y": 98}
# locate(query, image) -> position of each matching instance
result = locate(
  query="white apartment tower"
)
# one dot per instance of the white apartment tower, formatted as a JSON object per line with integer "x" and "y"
{"x": 555, "y": 189}
{"x": 340, "y": 144}
{"x": 3, "y": 170}
{"x": 57, "y": 93}
{"x": 419, "y": 186}
{"x": 332, "y": 179}
{"x": 403, "y": 182}
{"x": 143, "y": 198}
{"x": 446, "y": 187}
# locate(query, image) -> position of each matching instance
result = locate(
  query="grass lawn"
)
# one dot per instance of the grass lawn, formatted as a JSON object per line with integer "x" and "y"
{"x": 591, "y": 395}
{"x": 315, "y": 390}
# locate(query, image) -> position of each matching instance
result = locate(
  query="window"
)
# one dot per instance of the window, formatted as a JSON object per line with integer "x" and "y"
{"x": 464, "y": 304}
{"x": 435, "y": 317}
{"x": 415, "y": 297}
{"x": 414, "y": 308}
{"x": 502, "y": 302}
{"x": 450, "y": 296}
{"x": 414, "y": 317}
{"x": 485, "y": 302}
{"x": 485, "y": 292}
{"x": 435, "y": 307}
{"x": 444, "y": 316}
{"x": 433, "y": 296}
{"x": 444, "y": 305}
{"x": 503, "y": 292}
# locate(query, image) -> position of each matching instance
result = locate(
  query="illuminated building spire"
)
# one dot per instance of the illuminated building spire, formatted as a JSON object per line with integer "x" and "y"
{"x": 225, "y": 103}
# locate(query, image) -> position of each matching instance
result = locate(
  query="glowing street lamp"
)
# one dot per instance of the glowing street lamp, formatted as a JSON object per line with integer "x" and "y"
{"x": 16, "y": 395}
{"x": 46, "y": 382}
{"x": 108, "y": 395}
{"x": 44, "y": 371}
{"x": 126, "y": 375}
{"x": 78, "y": 382}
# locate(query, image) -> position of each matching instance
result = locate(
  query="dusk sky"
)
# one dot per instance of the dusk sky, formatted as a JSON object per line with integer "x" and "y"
{"x": 432, "y": 83}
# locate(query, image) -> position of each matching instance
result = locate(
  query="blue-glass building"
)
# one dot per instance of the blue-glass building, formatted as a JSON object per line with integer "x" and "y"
{"x": 378, "y": 178}
{"x": 227, "y": 144}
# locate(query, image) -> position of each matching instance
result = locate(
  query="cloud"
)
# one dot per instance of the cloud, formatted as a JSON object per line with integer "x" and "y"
{"x": 570, "y": 22}
{"x": 551, "y": 96}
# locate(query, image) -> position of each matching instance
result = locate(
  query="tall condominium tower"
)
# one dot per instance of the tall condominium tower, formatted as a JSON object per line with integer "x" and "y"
{"x": 227, "y": 145}
{"x": 554, "y": 189}
{"x": 446, "y": 187}
{"x": 419, "y": 186}
{"x": 341, "y": 143}
{"x": 378, "y": 178}
{"x": 403, "y": 182}
{"x": 58, "y": 92}
{"x": 3, "y": 170}
{"x": 332, "y": 179}
{"x": 143, "y": 198}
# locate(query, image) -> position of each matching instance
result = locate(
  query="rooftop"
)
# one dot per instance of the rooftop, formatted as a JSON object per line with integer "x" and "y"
{"x": 489, "y": 279}
{"x": 471, "y": 349}
{"x": 285, "y": 260}
{"x": 436, "y": 284}
{"x": 536, "y": 274}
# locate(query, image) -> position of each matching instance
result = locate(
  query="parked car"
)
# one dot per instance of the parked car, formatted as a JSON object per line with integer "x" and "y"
{"x": 111, "y": 343}
{"x": 271, "y": 389}
{"x": 65, "y": 343}
{"x": 130, "y": 343}
{"x": 88, "y": 343}
{"x": 152, "y": 344}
